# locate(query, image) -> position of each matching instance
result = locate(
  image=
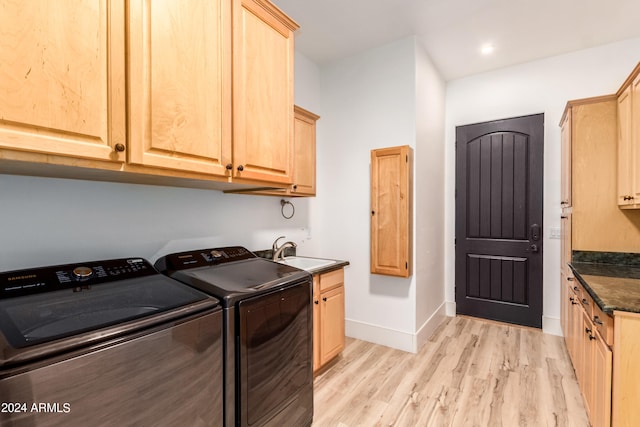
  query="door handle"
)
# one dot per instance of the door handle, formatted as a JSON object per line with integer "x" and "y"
{"x": 535, "y": 232}
{"x": 533, "y": 247}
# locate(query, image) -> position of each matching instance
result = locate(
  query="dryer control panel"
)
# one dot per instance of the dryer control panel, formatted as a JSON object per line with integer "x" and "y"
{"x": 202, "y": 258}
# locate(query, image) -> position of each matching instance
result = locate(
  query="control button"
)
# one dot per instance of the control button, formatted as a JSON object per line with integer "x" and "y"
{"x": 82, "y": 272}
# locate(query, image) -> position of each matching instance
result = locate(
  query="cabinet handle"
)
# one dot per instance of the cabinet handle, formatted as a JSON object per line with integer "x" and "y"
{"x": 591, "y": 337}
{"x": 324, "y": 299}
{"x": 587, "y": 331}
{"x": 229, "y": 166}
{"x": 575, "y": 288}
{"x": 571, "y": 280}
{"x": 119, "y": 147}
{"x": 240, "y": 168}
{"x": 563, "y": 217}
{"x": 584, "y": 301}
{"x": 315, "y": 302}
{"x": 597, "y": 320}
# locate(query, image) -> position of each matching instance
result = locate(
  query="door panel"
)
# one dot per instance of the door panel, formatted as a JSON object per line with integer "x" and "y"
{"x": 499, "y": 169}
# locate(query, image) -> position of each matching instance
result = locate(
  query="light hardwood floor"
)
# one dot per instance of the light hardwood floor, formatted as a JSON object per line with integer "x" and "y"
{"x": 470, "y": 373}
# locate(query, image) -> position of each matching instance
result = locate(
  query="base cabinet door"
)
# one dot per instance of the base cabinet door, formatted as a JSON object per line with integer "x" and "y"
{"x": 328, "y": 317}
{"x": 586, "y": 363}
{"x": 316, "y": 322}
{"x": 332, "y": 326}
{"x": 602, "y": 373}
{"x": 62, "y": 79}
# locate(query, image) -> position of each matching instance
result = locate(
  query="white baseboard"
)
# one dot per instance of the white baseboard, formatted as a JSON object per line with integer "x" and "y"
{"x": 427, "y": 329}
{"x": 400, "y": 340}
{"x": 379, "y": 335}
{"x": 450, "y": 308}
{"x": 552, "y": 326}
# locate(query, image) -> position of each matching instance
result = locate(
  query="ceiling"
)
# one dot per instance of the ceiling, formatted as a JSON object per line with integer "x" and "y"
{"x": 452, "y": 31}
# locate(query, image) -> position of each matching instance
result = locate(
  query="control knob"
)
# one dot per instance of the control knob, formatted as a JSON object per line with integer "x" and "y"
{"x": 82, "y": 272}
{"x": 216, "y": 254}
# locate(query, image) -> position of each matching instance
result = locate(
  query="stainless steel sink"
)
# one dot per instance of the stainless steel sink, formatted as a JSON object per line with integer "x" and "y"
{"x": 305, "y": 263}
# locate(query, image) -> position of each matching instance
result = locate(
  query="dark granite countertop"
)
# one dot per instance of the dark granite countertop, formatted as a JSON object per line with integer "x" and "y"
{"x": 612, "y": 286}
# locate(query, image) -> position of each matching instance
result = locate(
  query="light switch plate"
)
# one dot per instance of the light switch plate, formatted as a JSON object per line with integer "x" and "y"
{"x": 554, "y": 233}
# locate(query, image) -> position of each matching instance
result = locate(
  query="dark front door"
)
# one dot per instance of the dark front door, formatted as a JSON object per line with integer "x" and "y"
{"x": 499, "y": 178}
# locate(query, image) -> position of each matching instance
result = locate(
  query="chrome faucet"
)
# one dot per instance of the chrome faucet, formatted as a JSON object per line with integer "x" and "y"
{"x": 277, "y": 251}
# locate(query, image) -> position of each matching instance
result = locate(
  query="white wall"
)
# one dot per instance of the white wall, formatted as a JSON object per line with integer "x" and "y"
{"x": 542, "y": 86}
{"x": 429, "y": 196}
{"x": 371, "y": 102}
{"x": 46, "y": 221}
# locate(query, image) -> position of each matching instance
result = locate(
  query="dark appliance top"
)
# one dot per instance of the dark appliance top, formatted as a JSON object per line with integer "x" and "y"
{"x": 230, "y": 274}
{"x": 51, "y": 309}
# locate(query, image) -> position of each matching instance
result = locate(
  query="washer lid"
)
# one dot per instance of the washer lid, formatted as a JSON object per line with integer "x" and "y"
{"x": 237, "y": 280}
{"x": 94, "y": 309}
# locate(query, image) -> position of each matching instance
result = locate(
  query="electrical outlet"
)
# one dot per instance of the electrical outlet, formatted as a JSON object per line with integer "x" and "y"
{"x": 554, "y": 233}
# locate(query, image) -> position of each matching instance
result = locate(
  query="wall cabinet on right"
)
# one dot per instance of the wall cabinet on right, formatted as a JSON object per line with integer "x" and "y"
{"x": 628, "y": 195}
{"x": 392, "y": 211}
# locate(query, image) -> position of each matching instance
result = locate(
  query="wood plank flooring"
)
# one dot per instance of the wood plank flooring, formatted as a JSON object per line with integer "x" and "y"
{"x": 470, "y": 373}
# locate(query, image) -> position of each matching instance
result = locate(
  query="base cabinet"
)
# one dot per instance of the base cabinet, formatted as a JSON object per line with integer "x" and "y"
{"x": 590, "y": 353}
{"x": 328, "y": 317}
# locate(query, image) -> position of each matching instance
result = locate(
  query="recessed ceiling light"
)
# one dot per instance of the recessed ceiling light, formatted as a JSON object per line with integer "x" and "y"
{"x": 487, "y": 49}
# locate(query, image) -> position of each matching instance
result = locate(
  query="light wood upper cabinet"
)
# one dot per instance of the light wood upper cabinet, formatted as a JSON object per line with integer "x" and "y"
{"x": 565, "y": 158}
{"x": 628, "y": 194}
{"x": 263, "y": 50}
{"x": 625, "y": 149}
{"x": 180, "y": 84}
{"x": 187, "y": 93}
{"x": 392, "y": 211}
{"x": 62, "y": 78}
{"x": 304, "y": 167}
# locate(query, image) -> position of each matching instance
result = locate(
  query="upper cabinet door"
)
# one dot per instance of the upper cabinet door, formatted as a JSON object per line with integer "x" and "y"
{"x": 263, "y": 50}
{"x": 304, "y": 168}
{"x": 62, "y": 78}
{"x": 625, "y": 152}
{"x": 180, "y": 84}
{"x": 565, "y": 154}
{"x": 392, "y": 211}
{"x": 634, "y": 151}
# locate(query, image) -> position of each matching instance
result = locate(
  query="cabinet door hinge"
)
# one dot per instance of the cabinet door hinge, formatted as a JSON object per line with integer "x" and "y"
{"x": 407, "y": 158}
{"x": 406, "y": 265}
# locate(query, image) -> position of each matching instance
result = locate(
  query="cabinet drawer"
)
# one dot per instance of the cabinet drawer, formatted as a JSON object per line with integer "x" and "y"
{"x": 587, "y": 303}
{"x": 603, "y": 324}
{"x": 331, "y": 279}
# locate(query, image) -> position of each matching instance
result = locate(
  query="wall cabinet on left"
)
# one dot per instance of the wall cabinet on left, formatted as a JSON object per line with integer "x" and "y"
{"x": 62, "y": 79}
{"x": 146, "y": 91}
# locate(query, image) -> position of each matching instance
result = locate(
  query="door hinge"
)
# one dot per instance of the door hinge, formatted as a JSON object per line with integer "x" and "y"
{"x": 407, "y": 158}
{"x": 406, "y": 265}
